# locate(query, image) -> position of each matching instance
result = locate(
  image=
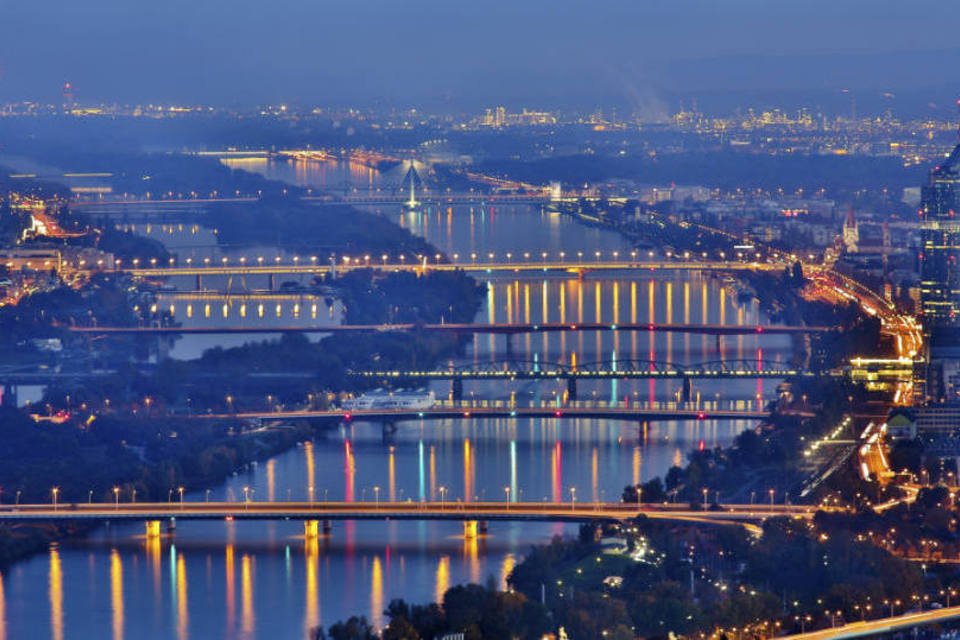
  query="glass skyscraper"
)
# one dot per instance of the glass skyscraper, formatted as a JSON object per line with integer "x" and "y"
{"x": 940, "y": 236}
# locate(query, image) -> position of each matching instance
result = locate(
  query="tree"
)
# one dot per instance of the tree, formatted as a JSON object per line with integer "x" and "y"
{"x": 355, "y": 628}
{"x": 400, "y": 629}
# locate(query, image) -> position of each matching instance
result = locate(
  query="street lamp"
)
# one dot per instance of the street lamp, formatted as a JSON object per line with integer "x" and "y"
{"x": 443, "y": 493}
{"x": 573, "y": 498}
{"x": 180, "y": 489}
{"x": 90, "y": 496}
{"x": 55, "y": 491}
{"x": 116, "y": 498}
{"x": 506, "y": 490}
{"x": 376, "y": 495}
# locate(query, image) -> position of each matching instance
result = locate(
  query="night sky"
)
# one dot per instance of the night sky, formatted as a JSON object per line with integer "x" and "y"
{"x": 539, "y": 53}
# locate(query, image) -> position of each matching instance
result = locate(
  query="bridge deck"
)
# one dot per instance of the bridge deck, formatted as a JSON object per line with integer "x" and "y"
{"x": 316, "y": 267}
{"x": 459, "y": 413}
{"x": 503, "y": 329}
{"x": 448, "y": 510}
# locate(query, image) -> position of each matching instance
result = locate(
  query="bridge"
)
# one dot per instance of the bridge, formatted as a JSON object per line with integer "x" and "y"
{"x": 390, "y": 416}
{"x": 474, "y": 515}
{"x": 608, "y": 370}
{"x": 119, "y": 205}
{"x": 464, "y": 328}
{"x": 312, "y": 266}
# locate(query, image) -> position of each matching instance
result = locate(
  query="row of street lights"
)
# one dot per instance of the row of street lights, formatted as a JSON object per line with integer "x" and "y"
{"x": 474, "y": 256}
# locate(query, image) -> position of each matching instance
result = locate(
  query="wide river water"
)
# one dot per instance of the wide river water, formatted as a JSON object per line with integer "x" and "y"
{"x": 262, "y": 579}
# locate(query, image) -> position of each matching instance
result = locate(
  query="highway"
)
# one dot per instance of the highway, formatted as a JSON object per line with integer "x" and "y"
{"x": 502, "y": 329}
{"x": 882, "y": 625}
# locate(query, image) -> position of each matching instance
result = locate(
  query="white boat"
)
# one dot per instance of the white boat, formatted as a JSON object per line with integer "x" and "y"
{"x": 381, "y": 399}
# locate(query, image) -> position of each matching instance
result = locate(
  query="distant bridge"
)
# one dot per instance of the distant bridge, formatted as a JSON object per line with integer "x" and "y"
{"x": 623, "y": 370}
{"x": 607, "y": 370}
{"x": 502, "y": 329}
{"x": 460, "y": 412}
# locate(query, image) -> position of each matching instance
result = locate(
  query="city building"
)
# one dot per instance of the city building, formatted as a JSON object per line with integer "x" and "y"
{"x": 851, "y": 233}
{"x": 940, "y": 244}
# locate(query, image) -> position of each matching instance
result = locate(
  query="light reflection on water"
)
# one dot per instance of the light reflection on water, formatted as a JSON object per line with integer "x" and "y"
{"x": 260, "y": 579}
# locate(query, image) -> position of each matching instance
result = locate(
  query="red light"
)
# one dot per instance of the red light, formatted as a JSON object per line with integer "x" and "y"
{"x": 347, "y": 416}
{"x": 650, "y": 327}
{"x": 759, "y": 329}
{"x": 558, "y": 413}
{"x": 701, "y": 416}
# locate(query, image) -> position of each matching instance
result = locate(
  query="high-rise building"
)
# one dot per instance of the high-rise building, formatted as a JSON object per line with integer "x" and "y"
{"x": 940, "y": 237}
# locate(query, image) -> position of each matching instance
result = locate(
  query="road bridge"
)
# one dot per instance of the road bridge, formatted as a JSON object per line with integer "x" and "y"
{"x": 474, "y": 515}
{"x": 314, "y": 267}
{"x": 390, "y": 416}
{"x": 465, "y": 328}
{"x": 620, "y": 370}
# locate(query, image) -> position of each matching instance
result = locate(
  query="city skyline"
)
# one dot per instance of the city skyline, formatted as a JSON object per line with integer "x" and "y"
{"x": 457, "y": 55}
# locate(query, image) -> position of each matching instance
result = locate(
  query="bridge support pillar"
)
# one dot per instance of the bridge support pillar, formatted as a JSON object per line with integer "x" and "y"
{"x": 327, "y": 527}
{"x": 470, "y": 528}
{"x": 456, "y": 389}
{"x": 509, "y": 344}
{"x": 273, "y": 282}
{"x": 571, "y": 389}
{"x": 311, "y": 529}
{"x": 9, "y": 396}
{"x": 199, "y": 282}
{"x": 483, "y": 527}
{"x": 718, "y": 340}
{"x": 171, "y": 525}
{"x": 687, "y": 389}
{"x": 153, "y": 529}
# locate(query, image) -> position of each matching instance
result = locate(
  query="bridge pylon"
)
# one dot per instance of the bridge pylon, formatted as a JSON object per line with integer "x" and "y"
{"x": 571, "y": 389}
{"x": 153, "y": 529}
{"x": 9, "y": 395}
{"x": 687, "y": 389}
{"x": 456, "y": 389}
{"x": 470, "y": 529}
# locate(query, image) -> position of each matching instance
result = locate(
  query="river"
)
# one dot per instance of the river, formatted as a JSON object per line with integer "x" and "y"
{"x": 262, "y": 579}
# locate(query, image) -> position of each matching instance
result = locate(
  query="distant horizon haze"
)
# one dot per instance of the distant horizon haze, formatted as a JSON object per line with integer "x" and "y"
{"x": 452, "y": 55}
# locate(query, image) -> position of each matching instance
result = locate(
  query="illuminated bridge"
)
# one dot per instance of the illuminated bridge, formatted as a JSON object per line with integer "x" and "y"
{"x": 314, "y": 266}
{"x": 390, "y": 416}
{"x": 474, "y": 515}
{"x": 505, "y": 328}
{"x": 620, "y": 370}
